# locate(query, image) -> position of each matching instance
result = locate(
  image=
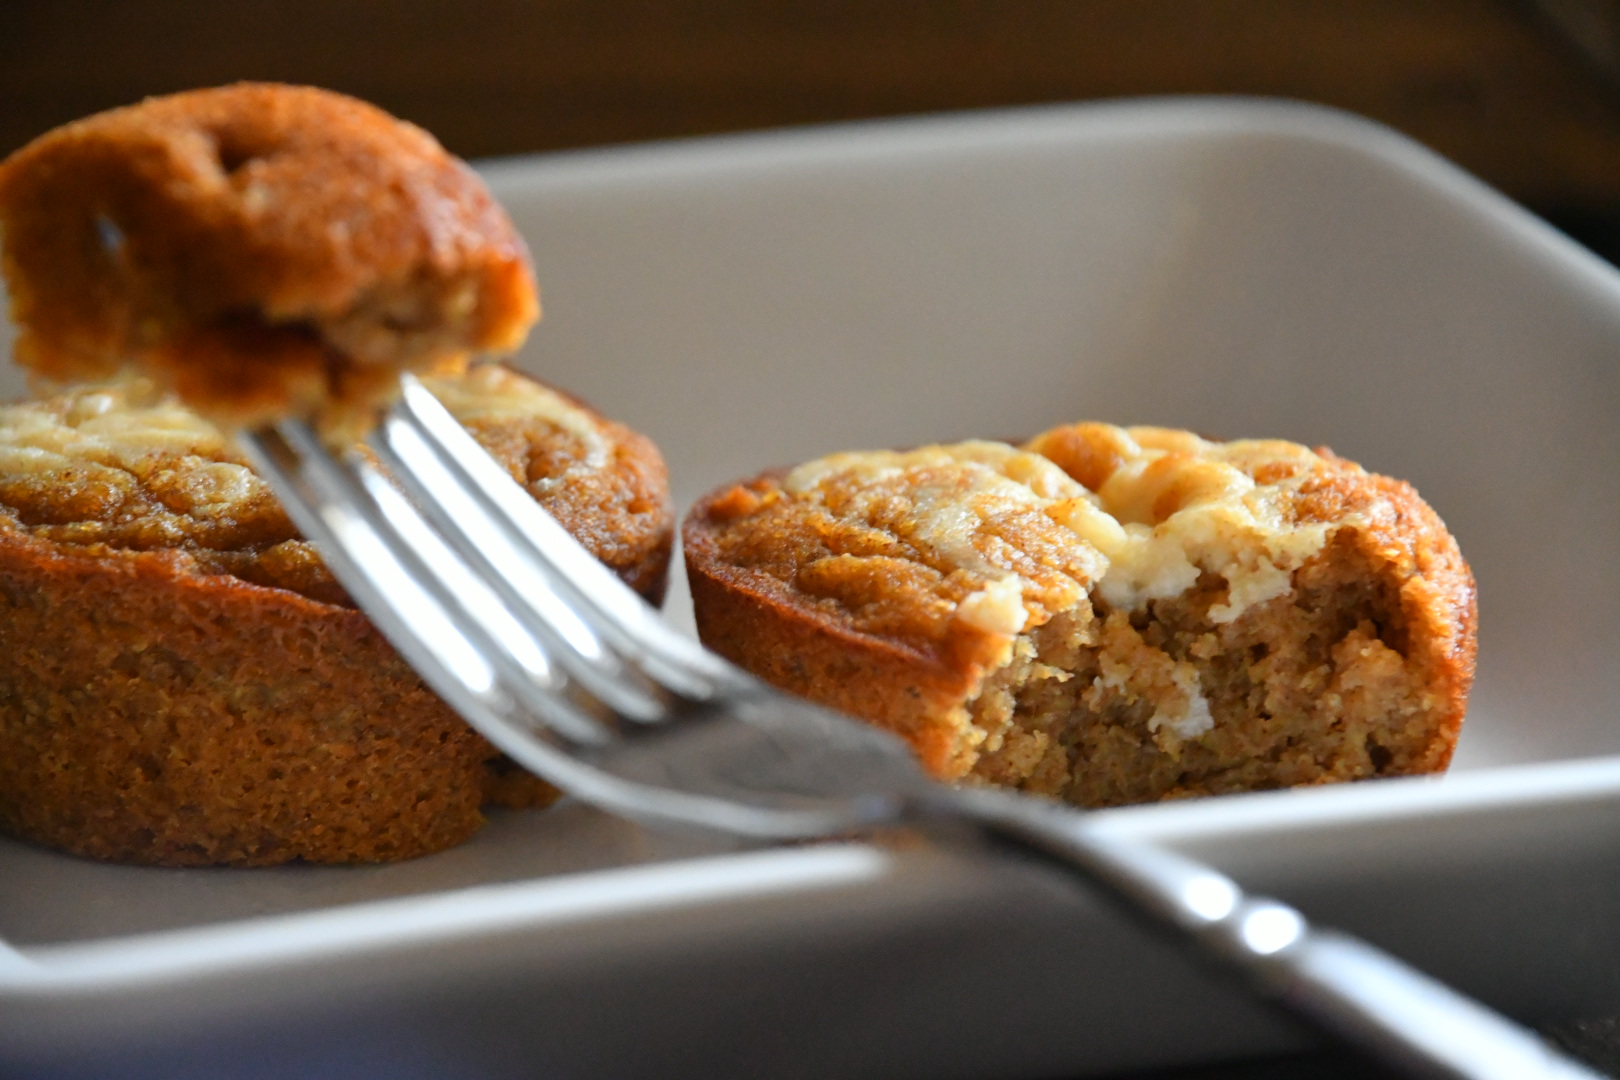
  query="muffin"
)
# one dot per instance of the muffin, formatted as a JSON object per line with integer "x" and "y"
{"x": 183, "y": 683}
{"x": 264, "y": 250}
{"x": 1104, "y": 615}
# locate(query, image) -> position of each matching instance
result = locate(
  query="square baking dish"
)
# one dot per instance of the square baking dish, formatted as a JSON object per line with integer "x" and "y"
{"x": 1242, "y": 268}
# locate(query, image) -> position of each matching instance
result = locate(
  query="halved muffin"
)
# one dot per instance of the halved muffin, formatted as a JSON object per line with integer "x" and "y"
{"x": 1105, "y": 615}
{"x": 182, "y": 682}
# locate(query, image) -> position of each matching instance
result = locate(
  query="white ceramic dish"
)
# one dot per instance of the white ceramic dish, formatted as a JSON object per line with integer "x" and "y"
{"x": 1236, "y": 267}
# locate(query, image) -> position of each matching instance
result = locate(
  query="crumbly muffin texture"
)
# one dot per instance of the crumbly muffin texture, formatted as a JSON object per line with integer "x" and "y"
{"x": 262, "y": 249}
{"x": 182, "y": 682}
{"x": 1105, "y": 615}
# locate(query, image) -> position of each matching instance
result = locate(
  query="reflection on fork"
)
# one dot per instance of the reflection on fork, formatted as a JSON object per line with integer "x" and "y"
{"x": 549, "y": 656}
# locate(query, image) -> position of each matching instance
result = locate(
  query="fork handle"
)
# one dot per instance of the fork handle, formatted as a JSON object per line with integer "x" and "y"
{"x": 1333, "y": 981}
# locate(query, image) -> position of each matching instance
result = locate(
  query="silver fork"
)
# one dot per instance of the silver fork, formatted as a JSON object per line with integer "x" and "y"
{"x": 547, "y": 654}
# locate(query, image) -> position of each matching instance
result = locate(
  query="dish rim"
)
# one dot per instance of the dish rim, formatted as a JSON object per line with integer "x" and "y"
{"x": 135, "y": 962}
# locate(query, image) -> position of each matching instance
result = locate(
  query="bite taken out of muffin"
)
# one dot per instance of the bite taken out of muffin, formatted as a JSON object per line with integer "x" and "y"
{"x": 1103, "y": 615}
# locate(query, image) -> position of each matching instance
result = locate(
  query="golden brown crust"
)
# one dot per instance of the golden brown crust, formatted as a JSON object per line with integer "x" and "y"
{"x": 751, "y": 619}
{"x": 120, "y": 467}
{"x": 760, "y": 621}
{"x": 620, "y": 509}
{"x": 158, "y": 715}
{"x": 264, "y": 249}
{"x": 1387, "y": 587}
{"x": 186, "y": 684}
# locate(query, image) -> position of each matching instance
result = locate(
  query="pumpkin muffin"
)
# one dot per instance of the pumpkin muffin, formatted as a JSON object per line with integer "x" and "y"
{"x": 264, "y": 250}
{"x": 183, "y": 683}
{"x": 1104, "y": 615}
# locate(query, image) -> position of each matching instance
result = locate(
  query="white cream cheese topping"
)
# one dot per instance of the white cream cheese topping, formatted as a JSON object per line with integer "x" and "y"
{"x": 998, "y": 608}
{"x": 100, "y": 425}
{"x": 1197, "y": 718}
{"x": 96, "y": 435}
{"x": 1184, "y": 505}
{"x": 126, "y": 425}
{"x": 1175, "y": 505}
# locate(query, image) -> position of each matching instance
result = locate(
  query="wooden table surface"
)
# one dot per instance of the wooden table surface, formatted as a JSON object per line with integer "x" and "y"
{"x": 1492, "y": 84}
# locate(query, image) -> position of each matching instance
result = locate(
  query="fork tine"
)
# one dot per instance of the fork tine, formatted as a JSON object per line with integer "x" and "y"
{"x": 616, "y": 614}
{"x": 441, "y": 616}
{"x": 464, "y": 523}
{"x": 400, "y": 587}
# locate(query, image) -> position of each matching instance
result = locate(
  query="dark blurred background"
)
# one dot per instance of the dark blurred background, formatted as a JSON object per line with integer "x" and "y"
{"x": 1524, "y": 93}
{"x": 1521, "y": 92}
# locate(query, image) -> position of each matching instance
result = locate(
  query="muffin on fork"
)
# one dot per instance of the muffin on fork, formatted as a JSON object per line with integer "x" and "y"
{"x": 261, "y": 249}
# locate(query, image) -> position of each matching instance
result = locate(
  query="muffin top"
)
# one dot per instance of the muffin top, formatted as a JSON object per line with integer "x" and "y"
{"x": 987, "y": 538}
{"x": 124, "y": 467}
{"x": 261, "y": 249}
